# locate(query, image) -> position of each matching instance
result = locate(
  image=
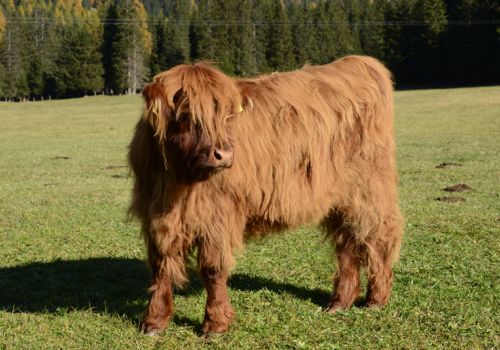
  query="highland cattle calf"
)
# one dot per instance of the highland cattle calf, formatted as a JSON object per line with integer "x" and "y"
{"x": 217, "y": 160}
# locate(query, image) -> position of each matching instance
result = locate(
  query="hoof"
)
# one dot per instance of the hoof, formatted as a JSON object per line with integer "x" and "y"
{"x": 151, "y": 330}
{"x": 154, "y": 332}
{"x": 218, "y": 323}
{"x": 211, "y": 335}
{"x": 374, "y": 305}
{"x": 213, "y": 328}
{"x": 336, "y": 307}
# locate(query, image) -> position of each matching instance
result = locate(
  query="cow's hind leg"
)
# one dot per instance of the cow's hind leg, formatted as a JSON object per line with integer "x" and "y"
{"x": 347, "y": 277}
{"x": 382, "y": 250}
{"x": 214, "y": 264}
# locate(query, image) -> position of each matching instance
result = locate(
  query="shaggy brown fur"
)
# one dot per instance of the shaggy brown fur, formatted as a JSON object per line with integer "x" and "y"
{"x": 311, "y": 146}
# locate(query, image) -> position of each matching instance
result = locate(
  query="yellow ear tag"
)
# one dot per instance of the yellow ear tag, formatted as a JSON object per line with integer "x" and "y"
{"x": 240, "y": 109}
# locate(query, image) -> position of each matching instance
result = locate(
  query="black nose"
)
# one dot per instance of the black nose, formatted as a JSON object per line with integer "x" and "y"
{"x": 223, "y": 156}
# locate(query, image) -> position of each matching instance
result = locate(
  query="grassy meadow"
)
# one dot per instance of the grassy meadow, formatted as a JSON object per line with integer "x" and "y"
{"x": 72, "y": 274}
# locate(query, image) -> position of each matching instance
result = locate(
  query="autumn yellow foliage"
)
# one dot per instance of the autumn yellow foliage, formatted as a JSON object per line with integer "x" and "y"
{"x": 2, "y": 25}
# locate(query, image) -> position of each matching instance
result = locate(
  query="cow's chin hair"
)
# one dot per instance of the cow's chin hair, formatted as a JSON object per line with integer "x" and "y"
{"x": 198, "y": 173}
{"x": 203, "y": 174}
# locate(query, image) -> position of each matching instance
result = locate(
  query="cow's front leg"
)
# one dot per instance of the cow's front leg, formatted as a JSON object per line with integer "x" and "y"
{"x": 215, "y": 260}
{"x": 218, "y": 310}
{"x": 160, "y": 305}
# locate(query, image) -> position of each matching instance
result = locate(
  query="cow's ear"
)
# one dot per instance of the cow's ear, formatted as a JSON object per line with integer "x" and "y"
{"x": 156, "y": 110}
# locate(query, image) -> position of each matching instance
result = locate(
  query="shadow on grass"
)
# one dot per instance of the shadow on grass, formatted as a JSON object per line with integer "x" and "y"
{"x": 244, "y": 282}
{"x": 110, "y": 285}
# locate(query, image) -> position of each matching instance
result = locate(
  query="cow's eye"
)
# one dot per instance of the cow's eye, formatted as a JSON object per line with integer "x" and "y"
{"x": 183, "y": 125}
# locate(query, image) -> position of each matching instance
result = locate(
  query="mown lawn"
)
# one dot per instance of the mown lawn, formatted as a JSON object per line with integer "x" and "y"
{"x": 71, "y": 262}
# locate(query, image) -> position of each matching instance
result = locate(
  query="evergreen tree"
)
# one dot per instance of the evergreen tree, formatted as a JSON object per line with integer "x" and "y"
{"x": 195, "y": 34}
{"x": 353, "y": 11}
{"x": 371, "y": 33}
{"x": 13, "y": 52}
{"x": 169, "y": 47}
{"x": 216, "y": 33}
{"x": 127, "y": 46}
{"x": 298, "y": 28}
{"x": 158, "y": 35}
{"x": 177, "y": 33}
{"x": 42, "y": 47}
{"x": 432, "y": 14}
{"x": 2, "y": 80}
{"x": 229, "y": 34}
{"x": 22, "y": 90}
{"x": 397, "y": 37}
{"x": 323, "y": 26}
{"x": 471, "y": 51}
{"x": 114, "y": 51}
{"x": 2, "y": 69}
{"x": 245, "y": 58}
{"x": 35, "y": 76}
{"x": 92, "y": 32}
{"x": 411, "y": 49}
{"x": 49, "y": 53}
{"x": 2, "y": 24}
{"x": 280, "y": 54}
{"x": 80, "y": 69}
{"x": 340, "y": 31}
{"x": 139, "y": 49}
{"x": 202, "y": 32}
{"x": 311, "y": 41}
{"x": 261, "y": 17}
{"x": 154, "y": 7}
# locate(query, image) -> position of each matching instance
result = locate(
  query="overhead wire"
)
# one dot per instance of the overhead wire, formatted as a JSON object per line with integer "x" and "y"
{"x": 212, "y": 22}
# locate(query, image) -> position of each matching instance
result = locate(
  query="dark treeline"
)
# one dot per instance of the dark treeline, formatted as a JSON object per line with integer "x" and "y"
{"x": 64, "y": 48}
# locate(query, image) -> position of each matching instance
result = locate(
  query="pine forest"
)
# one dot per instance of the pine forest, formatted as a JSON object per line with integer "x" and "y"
{"x": 71, "y": 48}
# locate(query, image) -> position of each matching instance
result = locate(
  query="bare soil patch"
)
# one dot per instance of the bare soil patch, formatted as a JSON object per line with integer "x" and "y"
{"x": 115, "y": 166}
{"x": 457, "y": 188}
{"x": 447, "y": 165}
{"x": 451, "y": 199}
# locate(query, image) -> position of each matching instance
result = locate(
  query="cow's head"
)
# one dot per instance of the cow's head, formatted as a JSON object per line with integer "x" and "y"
{"x": 191, "y": 109}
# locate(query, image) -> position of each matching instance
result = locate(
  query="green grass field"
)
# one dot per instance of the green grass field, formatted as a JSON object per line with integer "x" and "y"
{"x": 71, "y": 263}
